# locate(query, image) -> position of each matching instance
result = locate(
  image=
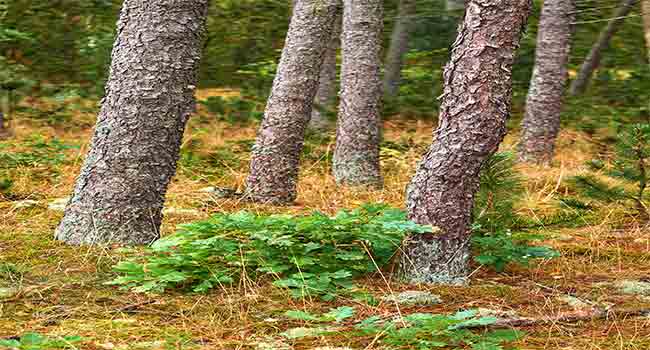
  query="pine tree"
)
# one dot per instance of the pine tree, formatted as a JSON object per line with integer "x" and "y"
{"x": 629, "y": 166}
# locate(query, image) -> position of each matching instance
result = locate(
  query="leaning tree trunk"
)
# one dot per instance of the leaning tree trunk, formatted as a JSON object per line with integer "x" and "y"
{"x": 541, "y": 122}
{"x": 120, "y": 192}
{"x": 592, "y": 61}
{"x": 356, "y": 156}
{"x": 326, "y": 94}
{"x": 274, "y": 163}
{"x": 398, "y": 48}
{"x": 645, "y": 11}
{"x": 473, "y": 114}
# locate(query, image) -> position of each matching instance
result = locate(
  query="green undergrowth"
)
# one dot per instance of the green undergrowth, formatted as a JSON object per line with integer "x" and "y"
{"x": 35, "y": 341}
{"x": 461, "y": 330}
{"x": 311, "y": 255}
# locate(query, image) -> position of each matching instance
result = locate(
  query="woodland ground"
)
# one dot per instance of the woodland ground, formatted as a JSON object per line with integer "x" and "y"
{"x": 61, "y": 289}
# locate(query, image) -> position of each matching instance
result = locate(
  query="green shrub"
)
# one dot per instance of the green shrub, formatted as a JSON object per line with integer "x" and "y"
{"x": 35, "y": 341}
{"x": 313, "y": 255}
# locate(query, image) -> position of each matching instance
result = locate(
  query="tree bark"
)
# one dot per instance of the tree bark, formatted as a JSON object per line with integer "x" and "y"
{"x": 645, "y": 12}
{"x": 120, "y": 192}
{"x": 455, "y": 5}
{"x": 473, "y": 114}
{"x": 356, "y": 156}
{"x": 592, "y": 61}
{"x": 541, "y": 122}
{"x": 276, "y": 155}
{"x": 398, "y": 48}
{"x": 326, "y": 94}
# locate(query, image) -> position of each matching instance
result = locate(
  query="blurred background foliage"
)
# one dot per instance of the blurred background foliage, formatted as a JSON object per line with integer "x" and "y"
{"x": 62, "y": 48}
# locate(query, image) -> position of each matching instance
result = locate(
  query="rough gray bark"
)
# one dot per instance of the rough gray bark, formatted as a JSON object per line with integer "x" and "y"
{"x": 541, "y": 122}
{"x": 149, "y": 97}
{"x": 579, "y": 85}
{"x": 645, "y": 11}
{"x": 473, "y": 113}
{"x": 356, "y": 156}
{"x": 398, "y": 48}
{"x": 326, "y": 94}
{"x": 276, "y": 154}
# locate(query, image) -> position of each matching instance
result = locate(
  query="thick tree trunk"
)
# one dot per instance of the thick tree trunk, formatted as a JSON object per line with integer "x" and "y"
{"x": 120, "y": 192}
{"x": 592, "y": 61}
{"x": 541, "y": 122}
{"x": 356, "y": 156}
{"x": 326, "y": 94}
{"x": 645, "y": 10}
{"x": 274, "y": 163}
{"x": 398, "y": 48}
{"x": 473, "y": 114}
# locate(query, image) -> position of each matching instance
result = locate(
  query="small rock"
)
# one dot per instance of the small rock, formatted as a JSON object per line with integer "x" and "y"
{"x": 180, "y": 211}
{"x": 58, "y": 204}
{"x": 574, "y": 302}
{"x": 486, "y": 312}
{"x": 563, "y": 237}
{"x": 302, "y": 332}
{"x": 7, "y": 292}
{"x": 272, "y": 344}
{"x": 634, "y": 287}
{"x": 414, "y": 297}
{"x": 209, "y": 189}
{"x": 25, "y": 204}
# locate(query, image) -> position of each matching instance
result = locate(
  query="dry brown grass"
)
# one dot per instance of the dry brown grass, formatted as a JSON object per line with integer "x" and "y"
{"x": 62, "y": 290}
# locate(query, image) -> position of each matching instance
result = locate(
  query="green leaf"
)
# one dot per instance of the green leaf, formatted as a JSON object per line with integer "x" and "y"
{"x": 301, "y": 315}
{"x": 340, "y": 313}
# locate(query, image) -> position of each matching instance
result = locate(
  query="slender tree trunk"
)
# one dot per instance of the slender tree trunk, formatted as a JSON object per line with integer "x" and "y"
{"x": 274, "y": 163}
{"x": 541, "y": 122}
{"x": 473, "y": 114}
{"x": 120, "y": 192}
{"x": 399, "y": 42}
{"x": 3, "y": 131}
{"x": 326, "y": 94}
{"x": 455, "y": 5}
{"x": 356, "y": 156}
{"x": 645, "y": 10}
{"x": 592, "y": 61}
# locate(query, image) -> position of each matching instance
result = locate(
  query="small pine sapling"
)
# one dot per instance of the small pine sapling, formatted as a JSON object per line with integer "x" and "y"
{"x": 629, "y": 166}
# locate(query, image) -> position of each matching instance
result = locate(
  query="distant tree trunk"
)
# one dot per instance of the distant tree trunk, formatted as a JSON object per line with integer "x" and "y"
{"x": 473, "y": 114}
{"x": 356, "y": 156}
{"x": 541, "y": 122}
{"x": 592, "y": 61}
{"x": 455, "y": 5}
{"x": 120, "y": 192}
{"x": 3, "y": 130}
{"x": 398, "y": 48}
{"x": 274, "y": 163}
{"x": 326, "y": 94}
{"x": 645, "y": 10}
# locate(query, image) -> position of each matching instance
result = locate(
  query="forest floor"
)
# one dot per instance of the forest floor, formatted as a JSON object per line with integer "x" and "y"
{"x": 57, "y": 290}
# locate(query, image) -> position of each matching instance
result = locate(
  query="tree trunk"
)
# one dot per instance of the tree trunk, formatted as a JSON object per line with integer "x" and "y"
{"x": 473, "y": 114}
{"x": 399, "y": 41}
{"x": 541, "y": 122}
{"x": 326, "y": 94}
{"x": 3, "y": 131}
{"x": 276, "y": 155}
{"x": 120, "y": 192}
{"x": 455, "y": 5}
{"x": 356, "y": 156}
{"x": 645, "y": 11}
{"x": 593, "y": 59}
